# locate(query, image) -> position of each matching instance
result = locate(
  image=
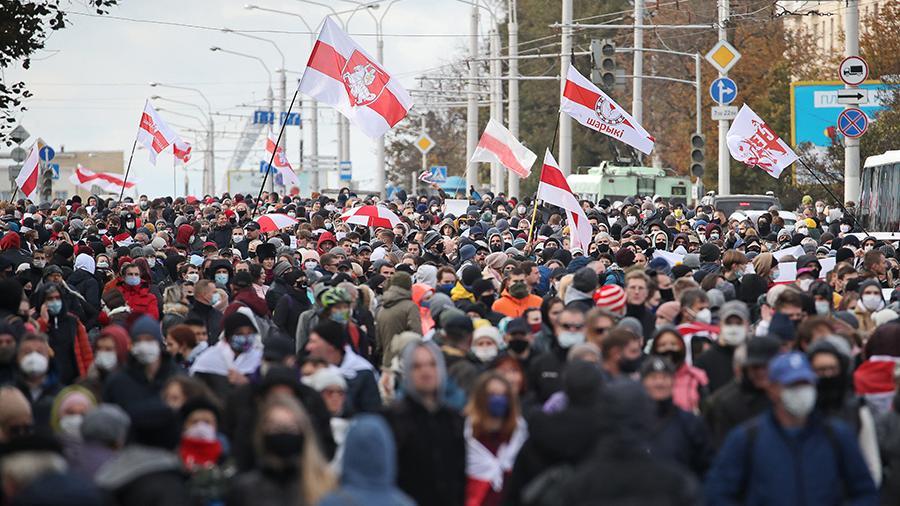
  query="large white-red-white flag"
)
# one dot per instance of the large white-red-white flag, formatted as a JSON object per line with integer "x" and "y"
{"x": 342, "y": 75}
{"x": 109, "y": 181}
{"x": 156, "y": 135}
{"x": 554, "y": 189}
{"x": 595, "y": 110}
{"x": 498, "y": 144}
{"x": 280, "y": 161}
{"x": 27, "y": 180}
{"x": 751, "y": 141}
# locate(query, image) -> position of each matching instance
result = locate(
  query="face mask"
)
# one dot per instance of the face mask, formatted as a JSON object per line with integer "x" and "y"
{"x": 103, "y": 265}
{"x": 192, "y": 277}
{"x": 733, "y": 335}
{"x": 341, "y": 317}
{"x": 822, "y": 307}
{"x": 7, "y": 354}
{"x": 54, "y": 306}
{"x": 704, "y": 316}
{"x": 129, "y": 224}
{"x": 872, "y": 302}
{"x": 804, "y": 284}
{"x": 631, "y": 220}
{"x": 309, "y": 265}
{"x": 237, "y": 238}
{"x": 519, "y": 290}
{"x": 845, "y": 228}
{"x": 34, "y": 364}
{"x": 713, "y": 237}
{"x": 568, "y": 339}
{"x": 285, "y": 445}
{"x": 132, "y": 280}
{"x": 488, "y": 300}
{"x": 70, "y": 425}
{"x": 800, "y": 400}
{"x": 40, "y": 264}
{"x": 241, "y": 343}
{"x": 221, "y": 278}
{"x": 521, "y": 209}
{"x": 106, "y": 360}
{"x": 485, "y": 353}
{"x": 146, "y": 352}
{"x": 151, "y": 262}
{"x": 820, "y": 209}
{"x": 867, "y": 248}
{"x": 498, "y": 406}
{"x": 630, "y": 365}
{"x": 203, "y": 431}
{"x": 445, "y": 288}
{"x": 803, "y": 231}
{"x": 518, "y": 345}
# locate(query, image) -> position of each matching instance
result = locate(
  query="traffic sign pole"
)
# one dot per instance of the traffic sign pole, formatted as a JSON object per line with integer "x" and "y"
{"x": 851, "y": 145}
{"x": 724, "y": 156}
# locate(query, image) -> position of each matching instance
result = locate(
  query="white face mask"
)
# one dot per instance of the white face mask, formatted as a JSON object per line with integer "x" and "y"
{"x": 237, "y": 238}
{"x": 192, "y": 277}
{"x": 70, "y": 425}
{"x": 845, "y": 228}
{"x": 733, "y": 335}
{"x": 146, "y": 352}
{"x": 799, "y": 400}
{"x": 485, "y": 353}
{"x": 151, "y": 261}
{"x": 872, "y": 302}
{"x": 704, "y": 316}
{"x": 34, "y": 364}
{"x": 804, "y": 284}
{"x": 631, "y": 220}
{"x": 568, "y": 339}
{"x": 106, "y": 360}
{"x": 822, "y": 307}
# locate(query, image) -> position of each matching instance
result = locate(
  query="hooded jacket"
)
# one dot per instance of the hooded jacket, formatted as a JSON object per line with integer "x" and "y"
{"x": 370, "y": 467}
{"x": 143, "y": 476}
{"x": 512, "y": 307}
{"x": 326, "y": 236}
{"x": 139, "y": 298}
{"x": 68, "y": 339}
{"x": 84, "y": 282}
{"x": 398, "y": 314}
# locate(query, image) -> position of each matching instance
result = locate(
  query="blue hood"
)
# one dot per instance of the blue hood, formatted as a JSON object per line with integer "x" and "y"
{"x": 370, "y": 457}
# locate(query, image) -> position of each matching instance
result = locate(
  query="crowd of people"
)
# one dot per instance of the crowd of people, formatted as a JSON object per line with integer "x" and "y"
{"x": 170, "y": 352}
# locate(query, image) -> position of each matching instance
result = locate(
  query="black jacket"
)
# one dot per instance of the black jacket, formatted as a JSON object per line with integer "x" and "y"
{"x": 732, "y": 405}
{"x": 265, "y": 487}
{"x": 717, "y": 361}
{"x": 680, "y": 437}
{"x": 221, "y": 236}
{"x": 143, "y": 476}
{"x": 86, "y": 284}
{"x": 431, "y": 452}
{"x": 278, "y": 289}
{"x": 209, "y": 315}
{"x": 643, "y": 315}
{"x": 130, "y": 385}
{"x": 545, "y": 372}
{"x": 288, "y": 308}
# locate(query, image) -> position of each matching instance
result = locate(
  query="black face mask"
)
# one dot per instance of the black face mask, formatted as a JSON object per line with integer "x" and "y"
{"x": 488, "y": 300}
{"x": 630, "y": 365}
{"x": 666, "y": 295}
{"x": 664, "y": 407}
{"x": 676, "y": 357}
{"x": 518, "y": 345}
{"x": 284, "y": 445}
{"x": 830, "y": 392}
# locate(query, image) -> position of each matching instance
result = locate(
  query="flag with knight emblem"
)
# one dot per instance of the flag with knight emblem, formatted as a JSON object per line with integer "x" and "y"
{"x": 750, "y": 140}
{"x": 339, "y": 73}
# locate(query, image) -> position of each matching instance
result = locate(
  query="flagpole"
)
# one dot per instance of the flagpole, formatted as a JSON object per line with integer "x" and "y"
{"x": 12, "y": 200}
{"x": 269, "y": 168}
{"x": 534, "y": 212}
{"x": 839, "y": 203}
{"x": 131, "y": 157}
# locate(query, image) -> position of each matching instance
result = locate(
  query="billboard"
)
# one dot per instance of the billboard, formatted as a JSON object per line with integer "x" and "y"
{"x": 815, "y": 109}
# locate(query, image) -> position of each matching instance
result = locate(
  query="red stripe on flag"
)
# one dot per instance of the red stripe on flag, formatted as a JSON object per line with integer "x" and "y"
{"x": 31, "y": 183}
{"x": 581, "y": 95}
{"x": 388, "y": 107}
{"x": 84, "y": 178}
{"x": 159, "y": 140}
{"x": 327, "y": 60}
{"x": 554, "y": 177}
{"x": 503, "y": 152}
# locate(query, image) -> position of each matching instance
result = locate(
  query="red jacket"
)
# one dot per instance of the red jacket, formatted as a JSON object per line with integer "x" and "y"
{"x": 139, "y": 299}
{"x": 84, "y": 357}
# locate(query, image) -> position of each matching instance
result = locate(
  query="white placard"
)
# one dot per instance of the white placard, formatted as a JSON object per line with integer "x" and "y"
{"x": 456, "y": 207}
{"x": 795, "y": 252}
{"x": 673, "y": 258}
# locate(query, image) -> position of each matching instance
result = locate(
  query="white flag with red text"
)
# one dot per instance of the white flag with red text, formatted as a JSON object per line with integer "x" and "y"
{"x": 339, "y": 73}
{"x": 156, "y": 135}
{"x": 595, "y": 110}
{"x": 497, "y": 144}
{"x": 181, "y": 150}
{"x": 751, "y": 141}
{"x": 280, "y": 161}
{"x": 27, "y": 180}
{"x": 110, "y": 182}
{"x": 554, "y": 189}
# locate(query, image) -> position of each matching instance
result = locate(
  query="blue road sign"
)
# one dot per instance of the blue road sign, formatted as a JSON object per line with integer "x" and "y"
{"x": 46, "y": 153}
{"x": 292, "y": 120}
{"x": 263, "y": 166}
{"x": 346, "y": 170}
{"x": 853, "y": 123}
{"x": 263, "y": 117}
{"x": 723, "y": 90}
{"x": 439, "y": 174}
{"x": 55, "y": 167}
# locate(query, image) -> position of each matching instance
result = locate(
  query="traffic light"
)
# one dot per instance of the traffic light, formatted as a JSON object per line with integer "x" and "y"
{"x": 603, "y": 53}
{"x": 47, "y": 175}
{"x": 698, "y": 154}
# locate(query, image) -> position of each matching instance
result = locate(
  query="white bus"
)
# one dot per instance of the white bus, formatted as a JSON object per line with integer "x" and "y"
{"x": 879, "y": 198}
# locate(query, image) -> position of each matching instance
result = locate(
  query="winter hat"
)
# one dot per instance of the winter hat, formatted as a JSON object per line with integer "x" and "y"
{"x": 281, "y": 267}
{"x": 145, "y": 325}
{"x": 332, "y": 333}
{"x": 158, "y": 243}
{"x": 656, "y": 364}
{"x": 470, "y": 274}
{"x": 467, "y": 252}
{"x": 847, "y": 317}
{"x": 709, "y": 252}
{"x": 401, "y": 280}
{"x": 624, "y": 257}
{"x": 631, "y": 324}
{"x": 611, "y": 298}
{"x": 106, "y": 424}
{"x": 235, "y": 321}
{"x": 668, "y": 310}
{"x": 585, "y": 280}
{"x": 680, "y": 271}
{"x": 660, "y": 265}
{"x": 488, "y": 331}
{"x": 482, "y": 285}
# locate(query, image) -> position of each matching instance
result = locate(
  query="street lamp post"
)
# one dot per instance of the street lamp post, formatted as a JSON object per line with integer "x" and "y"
{"x": 209, "y": 161}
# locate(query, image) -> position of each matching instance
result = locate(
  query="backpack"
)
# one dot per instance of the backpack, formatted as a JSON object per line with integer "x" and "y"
{"x": 550, "y": 487}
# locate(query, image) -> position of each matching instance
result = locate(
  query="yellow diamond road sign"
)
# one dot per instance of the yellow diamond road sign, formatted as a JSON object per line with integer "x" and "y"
{"x": 723, "y": 56}
{"x": 424, "y": 143}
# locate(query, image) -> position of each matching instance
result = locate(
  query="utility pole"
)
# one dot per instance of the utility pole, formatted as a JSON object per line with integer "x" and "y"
{"x": 724, "y": 157}
{"x": 209, "y": 159}
{"x": 851, "y": 146}
{"x": 314, "y": 184}
{"x": 497, "y": 179}
{"x": 472, "y": 101}
{"x": 513, "y": 29}
{"x": 270, "y": 182}
{"x": 637, "y": 98}
{"x": 380, "y": 178}
{"x": 282, "y": 92}
{"x": 415, "y": 178}
{"x": 565, "y": 123}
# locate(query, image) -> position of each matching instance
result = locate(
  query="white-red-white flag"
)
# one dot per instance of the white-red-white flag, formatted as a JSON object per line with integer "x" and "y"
{"x": 339, "y": 73}
{"x": 109, "y": 181}
{"x": 751, "y": 141}
{"x": 156, "y": 135}
{"x": 595, "y": 110}
{"x": 181, "y": 150}
{"x": 27, "y": 180}
{"x": 280, "y": 161}
{"x": 497, "y": 144}
{"x": 554, "y": 189}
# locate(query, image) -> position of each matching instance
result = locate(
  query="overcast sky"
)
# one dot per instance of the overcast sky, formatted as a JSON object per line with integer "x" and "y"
{"x": 91, "y": 82}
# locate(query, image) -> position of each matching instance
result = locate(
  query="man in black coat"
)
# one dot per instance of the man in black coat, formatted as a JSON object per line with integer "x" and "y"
{"x": 717, "y": 361}
{"x": 431, "y": 449}
{"x": 84, "y": 282}
{"x": 545, "y": 371}
{"x": 202, "y": 309}
{"x": 149, "y": 367}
